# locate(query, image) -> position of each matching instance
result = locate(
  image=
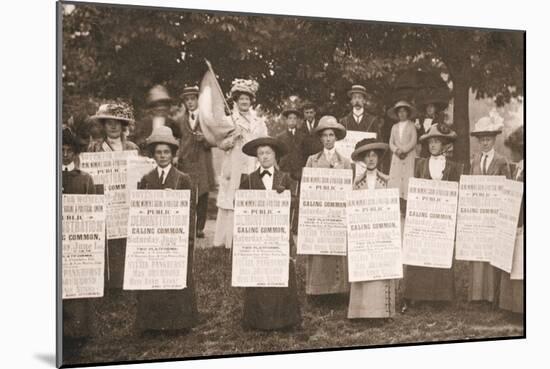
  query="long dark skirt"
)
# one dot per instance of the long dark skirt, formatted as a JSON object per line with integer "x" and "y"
{"x": 271, "y": 308}
{"x": 169, "y": 309}
{"x": 429, "y": 284}
{"x": 114, "y": 270}
{"x": 76, "y": 318}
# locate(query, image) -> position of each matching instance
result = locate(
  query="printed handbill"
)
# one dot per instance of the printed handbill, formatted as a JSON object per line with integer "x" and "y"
{"x": 83, "y": 245}
{"x": 110, "y": 169}
{"x": 506, "y": 226}
{"x": 261, "y": 232}
{"x": 374, "y": 235}
{"x": 322, "y": 223}
{"x": 158, "y": 240}
{"x": 430, "y": 222}
{"x": 478, "y": 207}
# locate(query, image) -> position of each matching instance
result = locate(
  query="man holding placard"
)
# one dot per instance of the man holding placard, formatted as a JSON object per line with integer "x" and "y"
{"x": 484, "y": 278}
{"x": 261, "y": 245}
{"x": 322, "y": 224}
{"x": 159, "y": 254}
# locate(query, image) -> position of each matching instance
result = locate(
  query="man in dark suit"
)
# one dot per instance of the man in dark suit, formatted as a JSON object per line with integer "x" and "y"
{"x": 359, "y": 119}
{"x": 294, "y": 160}
{"x": 195, "y": 155}
{"x": 311, "y": 143}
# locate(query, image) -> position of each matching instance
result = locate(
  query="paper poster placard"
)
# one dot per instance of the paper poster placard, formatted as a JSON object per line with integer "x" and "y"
{"x": 517, "y": 261}
{"x": 429, "y": 234}
{"x": 477, "y": 216}
{"x": 83, "y": 245}
{"x": 138, "y": 167}
{"x": 110, "y": 169}
{"x": 506, "y": 227}
{"x": 158, "y": 240}
{"x": 374, "y": 235}
{"x": 347, "y": 145}
{"x": 322, "y": 226}
{"x": 261, "y": 232}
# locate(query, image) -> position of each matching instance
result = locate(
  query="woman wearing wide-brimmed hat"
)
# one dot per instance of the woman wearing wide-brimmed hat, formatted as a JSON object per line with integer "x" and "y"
{"x": 403, "y": 146}
{"x": 484, "y": 278}
{"x": 171, "y": 311}
{"x": 326, "y": 275}
{"x": 511, "y": 290}
{"x": 423, "y": 283}
{"x": 371, "y": 299}
{"x": 248, "y": 126}
{"x": 270, "y": 308}
{"x": 432, "y": 111}
{"x": 113, "y": 117}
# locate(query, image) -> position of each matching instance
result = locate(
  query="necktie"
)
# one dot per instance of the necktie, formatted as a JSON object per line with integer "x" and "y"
{"x": 66, "y": 169}
{"x": 161, "y": 178}
{"x": 192, "y": 116}
{"x": 484, "y": 165}
{"x": 264, "y": 172}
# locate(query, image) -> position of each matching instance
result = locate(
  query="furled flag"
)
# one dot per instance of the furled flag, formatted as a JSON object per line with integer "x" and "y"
{"x": 214, "y": 123}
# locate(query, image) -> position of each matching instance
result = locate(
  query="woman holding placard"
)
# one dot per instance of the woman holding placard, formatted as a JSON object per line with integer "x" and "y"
{"x": 327, "y": 274}
{"x": 511, "y": 290}
{"x": 269, "y": 308}
{"x": 371, "y": 299}
{"x": 170, "y": 311}
{"x": 423, "y": 283}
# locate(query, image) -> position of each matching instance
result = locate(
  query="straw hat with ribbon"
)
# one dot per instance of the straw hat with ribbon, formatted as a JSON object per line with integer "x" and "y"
{"x": 392, "y": 112}
{"x": 120, "y": 111}
{"x": 190, "y": 91}
{"x": 251, "y": 147}
{"x": 358, "y": 89}
{"x": 330, "y": 122}
{"x": 366, "y": 145}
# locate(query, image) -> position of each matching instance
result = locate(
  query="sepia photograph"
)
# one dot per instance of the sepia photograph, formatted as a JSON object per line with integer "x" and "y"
{"x": 235, "y": 184}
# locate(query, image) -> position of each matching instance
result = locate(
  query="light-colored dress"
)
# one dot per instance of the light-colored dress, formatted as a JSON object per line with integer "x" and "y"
{"x": 402, "y": 169}
{"x": 372, "y": 299}
{"x": 235, "y": 164}
{"x": 327, "y": 274}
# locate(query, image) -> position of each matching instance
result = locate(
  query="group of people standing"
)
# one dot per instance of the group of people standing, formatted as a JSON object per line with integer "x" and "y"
{"x": 252, "y": 160}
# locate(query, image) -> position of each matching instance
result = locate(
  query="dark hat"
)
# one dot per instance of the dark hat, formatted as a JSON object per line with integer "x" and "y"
{"x": 192, "y": 90}
{"x": 440, "y": 130}
{"x": 251, "y": 147}
{"x": 308, "y": 105}
{"x": 368, "y": 144}
{"x": 439, "y": 100}
{"x": 158, "y": 94}
{"x": 292, "y": 105}
{"x": 515, "y": 139}
{"x": 330, "y": 122}
{"x": 358, "y": 89}
{"x": 164, "y": 135}
{"x": 120, "y": 111}
{"x": 392, "y": 112}
{"x": 487, "y": 126}
{"x": 70, "y": 139}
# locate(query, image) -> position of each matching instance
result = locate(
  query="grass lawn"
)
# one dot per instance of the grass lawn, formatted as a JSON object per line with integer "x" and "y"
{"x": 324, "y": 325}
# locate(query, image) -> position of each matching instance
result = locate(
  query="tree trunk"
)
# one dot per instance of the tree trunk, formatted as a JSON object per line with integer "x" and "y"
{"x": 461, "y": 117}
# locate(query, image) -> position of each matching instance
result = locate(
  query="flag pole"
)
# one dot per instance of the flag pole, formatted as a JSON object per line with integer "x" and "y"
{"x": 217, "y": 83}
